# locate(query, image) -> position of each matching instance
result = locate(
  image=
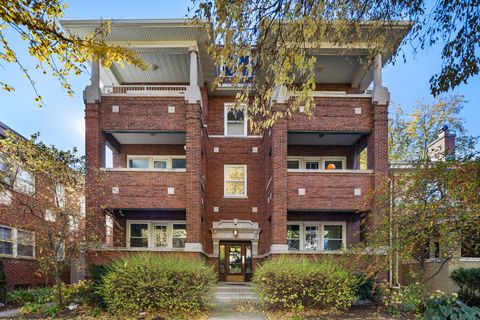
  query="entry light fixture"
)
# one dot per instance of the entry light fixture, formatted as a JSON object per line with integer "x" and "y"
{"x": 235, "y": 232}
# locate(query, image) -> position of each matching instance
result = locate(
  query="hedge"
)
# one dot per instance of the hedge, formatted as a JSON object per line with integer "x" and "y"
{"x": 468, "y": 280}
{"x": 149, "y": 283}
{"x": 299, "y": 283}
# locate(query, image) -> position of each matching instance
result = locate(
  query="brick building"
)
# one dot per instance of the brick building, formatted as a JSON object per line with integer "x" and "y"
{"x": 188, "y": 176}
{"x": 18, "y": 249}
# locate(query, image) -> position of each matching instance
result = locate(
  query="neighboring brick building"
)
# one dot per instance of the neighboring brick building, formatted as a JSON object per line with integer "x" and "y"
{"x": 18, "y": 249}
{"x": 188, "y": 175}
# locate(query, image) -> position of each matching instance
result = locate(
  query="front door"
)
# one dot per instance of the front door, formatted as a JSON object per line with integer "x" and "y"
{"x": 235, "y": 260}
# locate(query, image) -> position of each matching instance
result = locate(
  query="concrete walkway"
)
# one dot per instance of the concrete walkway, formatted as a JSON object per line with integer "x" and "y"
{"x": 9, "y": 313}
{"x": 226, "y": 295}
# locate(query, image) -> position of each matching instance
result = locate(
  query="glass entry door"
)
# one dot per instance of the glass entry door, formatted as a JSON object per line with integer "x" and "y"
{"x": 235, "y": 261}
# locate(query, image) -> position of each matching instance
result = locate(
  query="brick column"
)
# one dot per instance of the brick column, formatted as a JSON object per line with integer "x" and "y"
{"x": 279, "y": 186}
{"x": 95, "y": 157}
{"x": 194, "y": 173}
{"x": 378, "y": 149}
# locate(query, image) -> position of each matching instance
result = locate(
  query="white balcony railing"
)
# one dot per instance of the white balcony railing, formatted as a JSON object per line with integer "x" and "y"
{"x": 145, "y": 90}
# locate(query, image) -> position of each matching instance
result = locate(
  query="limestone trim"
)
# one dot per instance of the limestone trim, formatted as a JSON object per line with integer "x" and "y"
{"x": 235, "y": 230}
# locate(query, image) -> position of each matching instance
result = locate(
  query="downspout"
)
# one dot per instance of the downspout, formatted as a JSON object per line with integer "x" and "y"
{"x": 394, "y": 282}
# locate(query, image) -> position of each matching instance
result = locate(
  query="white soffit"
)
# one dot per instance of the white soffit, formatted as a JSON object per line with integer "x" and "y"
{"x": 149, "y": 137}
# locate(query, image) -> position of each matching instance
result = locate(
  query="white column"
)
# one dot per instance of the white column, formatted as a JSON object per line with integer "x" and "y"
{"x": 95, "y": 77}
{"x": 92, "y": 94}
{"x": 193, "y": 66}
{"x": 377, "y": 70}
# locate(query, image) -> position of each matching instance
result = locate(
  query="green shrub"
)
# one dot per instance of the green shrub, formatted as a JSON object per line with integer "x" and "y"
{"x": 442, "y": 307}
{"x": 298, "y": 283}
{"x": 150, "y": 283}
{"x": 79, "y": 292}
{"x": 468, "y": 280}
{"x": 36, "y": 296}
{"x": 367, "y": 287}
{"x": 97, "y": 271}
{"x": 403, "y": 301}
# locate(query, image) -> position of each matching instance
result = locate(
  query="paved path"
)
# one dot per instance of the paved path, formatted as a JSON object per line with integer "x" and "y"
{"x": 9, "y": 313}
{"x": 226, "y": 295}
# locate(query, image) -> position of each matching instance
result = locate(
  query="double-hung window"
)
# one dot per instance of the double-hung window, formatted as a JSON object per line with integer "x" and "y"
{"x": 17, "y": 242}
{"x": 6, "y": 241}
{"x": 156, "y": 234}
{"x": 316, "y": 236}
{"x": 139, "y": 235}
{"x": 293, "y": 237}
{"x": 179, "y": 235}
{"x": 333, "y": 163}
{"x": 235, "y": 120}
{"x": 235, "y": 181}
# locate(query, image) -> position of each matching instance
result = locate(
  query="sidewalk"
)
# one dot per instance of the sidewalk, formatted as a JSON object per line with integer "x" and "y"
{"x": 226, "y": 295}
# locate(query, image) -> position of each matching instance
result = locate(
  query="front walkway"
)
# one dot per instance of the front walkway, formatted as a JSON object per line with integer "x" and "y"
{"x": 226, "y": 296}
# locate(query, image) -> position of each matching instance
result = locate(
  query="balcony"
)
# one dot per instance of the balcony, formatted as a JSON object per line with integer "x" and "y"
{"x": 145, "y": 90}
{"x": 336, "y": 112}
{"x": 335, "y": 190}
{"x": 145, "y": 188}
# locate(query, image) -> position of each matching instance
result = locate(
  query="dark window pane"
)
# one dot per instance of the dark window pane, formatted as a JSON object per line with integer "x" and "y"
{"x": 236, "y": 115}
{"x": 293, "y": 164}
{"x": 179, "y": 230}
{"x": 138, "y": 242}
{"x": 179, "y": 243}
{"x": 139, "y": 230}
{"x": 160, "y": 164}
{"x": 333, "y": 232}
{"x": 311, "y": 165}
{"x": 293, "y": 244}
{"x": 6, "y": 247}
{"x": 25, "y": 250}
{"x": 293, "y": 231}
{"x": 332, "y": 244}
{"x": 179, "y": 163}
{"x": 5, "y": 233}
{"x": 138, "y": 163}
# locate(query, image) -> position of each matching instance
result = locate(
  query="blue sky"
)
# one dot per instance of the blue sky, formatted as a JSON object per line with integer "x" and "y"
{"x": 60, "y": 121}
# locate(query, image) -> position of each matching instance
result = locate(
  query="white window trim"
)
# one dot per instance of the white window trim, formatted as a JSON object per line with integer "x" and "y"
{"x": 14, "y": 241}
{"x": 151, "y": 159}
{"x": 300, "y": 166}
{"x": 228, "y": 106}
{"x": 237, "y": 196}
{"x": 320, "y": 225}
{"x": 321, "y": 162}
{"x": 151, "y": 234}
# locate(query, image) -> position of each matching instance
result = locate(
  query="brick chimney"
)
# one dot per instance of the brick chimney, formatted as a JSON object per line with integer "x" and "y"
{"x": 443, "y": 146}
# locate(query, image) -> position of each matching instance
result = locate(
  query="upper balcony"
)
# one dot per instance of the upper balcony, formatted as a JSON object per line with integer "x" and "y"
{"x": 328, "y": 172}
{"x": 145, "y": 170}
{"x": 335, "y": 112}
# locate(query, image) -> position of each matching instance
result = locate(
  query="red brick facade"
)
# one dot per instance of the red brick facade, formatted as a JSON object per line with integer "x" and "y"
{"x": 273, "y": 197}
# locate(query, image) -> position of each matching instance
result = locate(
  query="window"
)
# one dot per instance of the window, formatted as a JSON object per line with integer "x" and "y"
{"x": 311, "y": 237}
{"x": 179, "y": 236}
{"x": 293, "y": 237}
{"x": 17, "y": 242}
{"x": 333, "y": 163}
{"x": 138, "y": 163}
{"x": 179, "y": 163}
{"x": 332, "y": 237}
{"x": 160, "y": 164}
{"x": 160, "y": 235}
{"x": 293, "y": 164}
{"x": 24, "y": 182}
{"x": 235, "y": 120}
{"x": 156, "y": 234}
{"x": 235, "y": 184}
{"x": 6, "y": 241}
{"x": 25, "y": 243}
{"x": 311, "y": 165}
{"x": 139, "y": 235}
{"x": 157, "y": 162}
{"x": 315, "y": 235}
